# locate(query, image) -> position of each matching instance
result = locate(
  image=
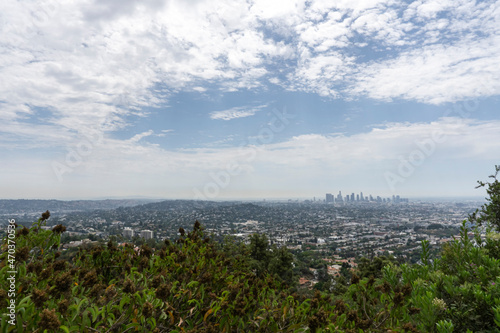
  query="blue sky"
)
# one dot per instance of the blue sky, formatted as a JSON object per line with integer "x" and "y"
{"x": 248, "y": 99}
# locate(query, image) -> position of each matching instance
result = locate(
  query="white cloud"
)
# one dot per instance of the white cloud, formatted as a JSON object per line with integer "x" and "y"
{"x": 95, "y": 63}
{"x": 236, "y": 112}
{"x": 164, "y": 132}
{"x": 454, "y": 51}
{"x": 139, "y": 136}
{"x": 321, "y": 74}
{"x": 380, "y": 148}
{"x": 435, "y": 74}
{"x": 100, "y": 62}
{"x": 117, "y": 167}
{"x": 274, "y": 80}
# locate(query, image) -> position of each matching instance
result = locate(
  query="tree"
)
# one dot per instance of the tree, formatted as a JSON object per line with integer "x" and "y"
{"x": 374, "y": 266}
{"x": 339, "y": 285}
{"x": 259, "y": 252}
{"x": 281, "y": 264}
{"x": 345, "y": 271}
{"x": 489, "y": 213}
{"x": 153, "y": 243}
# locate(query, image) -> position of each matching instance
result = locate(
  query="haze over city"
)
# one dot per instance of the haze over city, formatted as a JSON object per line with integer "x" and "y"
{"x": 248, "y": 99}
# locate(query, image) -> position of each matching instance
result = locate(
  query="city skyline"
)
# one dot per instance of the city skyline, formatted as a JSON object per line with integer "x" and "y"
{"x": 218, "y": 100}
{"x": 359, "y": 197}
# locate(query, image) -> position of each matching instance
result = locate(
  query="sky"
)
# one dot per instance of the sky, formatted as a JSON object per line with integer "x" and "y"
{"x": 248, "y": 99}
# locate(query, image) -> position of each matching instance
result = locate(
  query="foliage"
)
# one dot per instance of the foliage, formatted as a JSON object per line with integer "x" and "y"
{"x": 374, "y": 267}
{"x": 489, "y": 213}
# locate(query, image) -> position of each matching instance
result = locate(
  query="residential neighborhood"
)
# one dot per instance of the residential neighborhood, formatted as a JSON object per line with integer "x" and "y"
{"x": 318, "y": 233}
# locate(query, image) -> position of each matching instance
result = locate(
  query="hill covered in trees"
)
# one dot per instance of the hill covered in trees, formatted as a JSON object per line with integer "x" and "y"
{"x": 30, "y": 206}
{"x": 195, "y": 284}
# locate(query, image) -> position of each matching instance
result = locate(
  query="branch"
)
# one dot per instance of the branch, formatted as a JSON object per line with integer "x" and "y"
{"x": 364, "y": 307}
{"x": 118, "y": 323}
{"x": 383, "y": 321}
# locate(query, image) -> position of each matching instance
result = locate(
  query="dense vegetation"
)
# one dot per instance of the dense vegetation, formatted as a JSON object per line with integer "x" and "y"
{"x": 196, "y": 284}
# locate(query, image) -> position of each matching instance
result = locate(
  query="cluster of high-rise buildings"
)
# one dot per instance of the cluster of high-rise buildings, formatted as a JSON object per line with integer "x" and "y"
{"x": 352, "y": 198}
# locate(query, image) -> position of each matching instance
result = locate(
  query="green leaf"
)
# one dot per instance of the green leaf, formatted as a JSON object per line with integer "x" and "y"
{"x": 93, "y": 313}
{"x": 152, "y": 323}
{"x": 24, "y": 300}
{"x": 193, "y": 284}
{"x": 64, "y": 328}
{"x": 125, "y": 299}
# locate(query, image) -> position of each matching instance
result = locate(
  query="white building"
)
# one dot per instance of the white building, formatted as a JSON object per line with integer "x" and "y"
{"x": 127, "y": 232}
{"x": 146, "y": 234}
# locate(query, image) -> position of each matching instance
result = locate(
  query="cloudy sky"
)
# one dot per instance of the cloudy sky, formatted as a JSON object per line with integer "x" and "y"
{"x": 247, "y": 98}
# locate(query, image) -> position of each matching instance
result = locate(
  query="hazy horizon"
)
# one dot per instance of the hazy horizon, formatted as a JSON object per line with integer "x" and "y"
{"x": 216, "y": 100}
{"x": 250, "y": 199}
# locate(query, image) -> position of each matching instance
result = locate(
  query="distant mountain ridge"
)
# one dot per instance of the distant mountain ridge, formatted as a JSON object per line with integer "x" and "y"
{"x": 29, "y": 206}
